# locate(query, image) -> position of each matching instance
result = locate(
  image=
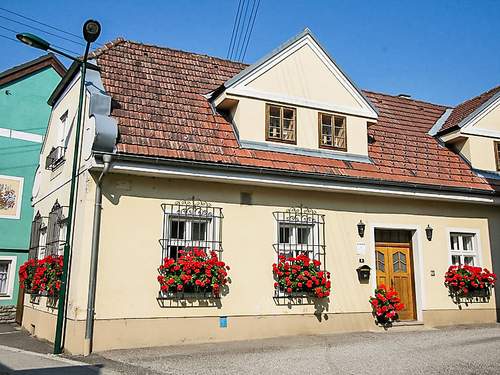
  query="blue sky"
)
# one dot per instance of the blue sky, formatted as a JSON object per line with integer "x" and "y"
{"x": 439, "y": 51}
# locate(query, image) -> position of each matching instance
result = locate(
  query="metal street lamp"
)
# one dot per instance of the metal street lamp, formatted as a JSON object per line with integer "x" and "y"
{"x": 91, "y": 31}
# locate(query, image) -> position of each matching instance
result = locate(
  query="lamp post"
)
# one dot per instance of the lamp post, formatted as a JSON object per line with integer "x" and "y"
{"x": 91, "y": 31}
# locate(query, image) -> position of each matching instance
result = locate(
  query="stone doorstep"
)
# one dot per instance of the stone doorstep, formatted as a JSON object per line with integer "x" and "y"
{"x": 404, "y": 326}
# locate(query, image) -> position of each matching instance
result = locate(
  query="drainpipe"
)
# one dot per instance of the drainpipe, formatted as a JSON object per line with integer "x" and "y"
{"x": 96, "y": 233}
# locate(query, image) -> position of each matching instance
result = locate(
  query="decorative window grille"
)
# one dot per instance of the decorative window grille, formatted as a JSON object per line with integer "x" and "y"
{"x": 55, "y": 231}
{"x": 36, "y": 231}
{"x": 188, "y": 224}
{"x": 300, "y": 230}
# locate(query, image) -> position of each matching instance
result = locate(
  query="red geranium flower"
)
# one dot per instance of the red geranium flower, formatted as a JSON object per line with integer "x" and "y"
{"x": 301, "y": 274}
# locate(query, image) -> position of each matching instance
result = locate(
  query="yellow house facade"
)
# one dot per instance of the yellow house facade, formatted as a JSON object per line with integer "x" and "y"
{"x": 281, "y": 157}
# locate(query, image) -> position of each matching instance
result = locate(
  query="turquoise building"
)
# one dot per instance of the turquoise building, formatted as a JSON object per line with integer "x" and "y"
{"x": 24, "y": 115}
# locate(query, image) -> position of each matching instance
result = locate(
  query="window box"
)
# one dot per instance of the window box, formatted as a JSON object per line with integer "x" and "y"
{"x": 42, "y": 277}
{"x": 193, "y": 274}
{"x": 466, "y": 281}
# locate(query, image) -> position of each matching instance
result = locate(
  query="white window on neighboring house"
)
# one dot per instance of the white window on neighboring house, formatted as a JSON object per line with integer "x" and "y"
{"x": 7, "y": 274}
{"x": 463, "y": 249}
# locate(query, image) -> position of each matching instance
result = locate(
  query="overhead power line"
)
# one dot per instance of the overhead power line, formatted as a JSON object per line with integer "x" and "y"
{"x": 236, "y": 19}
{"x": 17, "y": 32}
{"x": 240, "y": 32}
{"x": 40, "y": 23}
{"x": 43, "y": 31}
{"x": 244, "y": 49}
{"x": 80, "y": 39}
{"x": 9, "y": 38}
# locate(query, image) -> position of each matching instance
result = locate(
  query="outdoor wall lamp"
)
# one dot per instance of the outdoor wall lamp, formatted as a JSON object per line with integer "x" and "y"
{"x": 361, "y": 229}
{"x": 428, "y": 232}
{"x": 363, "y": 273}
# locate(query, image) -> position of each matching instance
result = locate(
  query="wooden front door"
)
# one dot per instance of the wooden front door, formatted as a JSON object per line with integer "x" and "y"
{"x": 395, "y": 269}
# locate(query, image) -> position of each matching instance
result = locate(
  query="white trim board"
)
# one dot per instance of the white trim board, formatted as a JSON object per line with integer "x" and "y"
{"x": 293, "y": 183}
{"x": 23, "y": 136}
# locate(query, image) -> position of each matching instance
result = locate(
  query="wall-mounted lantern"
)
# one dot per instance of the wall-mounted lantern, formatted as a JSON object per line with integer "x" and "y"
{"x": 428, "y": 232}
{"x": 361, "y": 229}
{"x": 363, "y": 273}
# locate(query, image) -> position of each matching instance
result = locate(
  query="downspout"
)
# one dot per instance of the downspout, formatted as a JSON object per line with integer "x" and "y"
{"x": 96, "y": 233}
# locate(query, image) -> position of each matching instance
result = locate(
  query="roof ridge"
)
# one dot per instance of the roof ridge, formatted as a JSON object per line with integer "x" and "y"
{"x": 48, "y": 59}
{"x": 410, "y": 99}
{"x": 485, "y": 93}
{"x": 182, "y": 51}
{"x": 106, "y": 46}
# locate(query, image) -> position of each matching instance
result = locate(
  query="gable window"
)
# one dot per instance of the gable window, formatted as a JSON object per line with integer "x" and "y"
{"x": 191, "y": 224}
{"x": 463, "y": 249}
{"x": 281, "y": 124}
{"x": 332, "y": 131}
{"x": 497, "y": 155}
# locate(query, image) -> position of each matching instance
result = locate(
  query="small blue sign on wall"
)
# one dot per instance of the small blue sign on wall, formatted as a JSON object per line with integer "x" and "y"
{"x": 223, "y": 322}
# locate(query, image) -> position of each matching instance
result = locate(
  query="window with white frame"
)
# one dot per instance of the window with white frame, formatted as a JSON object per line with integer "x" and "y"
{"x": 7, "y": 274}
{"x": 463, "y": 249}
{"x": 62, "y": 130}
{"x": 191, "y": 224}
{"x": 300, "y": 230}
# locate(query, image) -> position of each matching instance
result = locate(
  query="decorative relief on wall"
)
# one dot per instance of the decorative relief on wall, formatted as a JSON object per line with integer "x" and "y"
{"x": 11, "y": 192}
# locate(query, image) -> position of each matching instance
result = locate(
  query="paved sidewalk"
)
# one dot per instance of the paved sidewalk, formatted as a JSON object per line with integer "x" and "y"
{"x": 22, "y": 354}
{"x": 17, "y": 361}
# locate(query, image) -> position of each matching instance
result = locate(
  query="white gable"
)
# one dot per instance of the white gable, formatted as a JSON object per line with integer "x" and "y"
{"x": 302, "y": 73}
{"x": 485, "y": 121}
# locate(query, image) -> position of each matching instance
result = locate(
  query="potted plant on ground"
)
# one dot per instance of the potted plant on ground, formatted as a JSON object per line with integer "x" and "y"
{"x": 386, "y": 305}
{"x": 301, "y": 275}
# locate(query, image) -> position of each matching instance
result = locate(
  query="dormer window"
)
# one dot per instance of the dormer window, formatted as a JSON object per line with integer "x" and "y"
{"x": 332, "y": 131}
{"x": 497, "y": 155}
{"x": 281, "y": 124}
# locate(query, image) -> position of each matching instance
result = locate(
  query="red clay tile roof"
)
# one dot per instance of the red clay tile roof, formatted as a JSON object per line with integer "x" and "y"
{"x": 161, "y": 112}
{"x": 464, "y": 109}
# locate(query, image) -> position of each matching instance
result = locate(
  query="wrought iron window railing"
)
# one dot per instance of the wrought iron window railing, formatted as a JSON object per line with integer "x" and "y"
{"x": 55, "y": 158}
{"x": 299, "y": 230}
{"x": 190, "y": 224}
